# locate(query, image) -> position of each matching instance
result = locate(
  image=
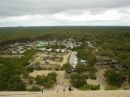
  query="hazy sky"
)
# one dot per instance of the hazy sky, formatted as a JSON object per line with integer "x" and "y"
{"x": 64, "y": 12}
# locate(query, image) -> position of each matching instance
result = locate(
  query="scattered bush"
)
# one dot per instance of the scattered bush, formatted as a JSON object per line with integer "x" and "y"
{"x": 57, "y": 69}
{"x": 47, "y": 81}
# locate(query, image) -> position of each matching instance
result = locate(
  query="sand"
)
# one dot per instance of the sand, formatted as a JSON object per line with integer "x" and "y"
{"x": 75, "y": 93}
{"x": 11, "y": 56}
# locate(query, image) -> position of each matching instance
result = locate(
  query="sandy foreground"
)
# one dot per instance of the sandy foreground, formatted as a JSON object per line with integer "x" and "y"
{"x": 75, "y": 93}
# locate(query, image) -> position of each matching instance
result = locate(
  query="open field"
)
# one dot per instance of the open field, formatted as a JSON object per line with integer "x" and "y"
{"x": 75, "y": 93}
{"x": 50, "y": 60}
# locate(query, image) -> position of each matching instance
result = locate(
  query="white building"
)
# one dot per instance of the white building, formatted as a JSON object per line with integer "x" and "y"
{"x": 49, "y": 50}
{"x": 57, "y": 50}
{"x": 42, "y": 49}
{"x": 41, "y": 43}
{"x": 14, "y": 52}
{"x": 73, "y": 59}
{"x": 90, "y": 44}
{"x": 83, "y": 61}
{"x": 63, "y": 50}
{"x": 70, "y": 45}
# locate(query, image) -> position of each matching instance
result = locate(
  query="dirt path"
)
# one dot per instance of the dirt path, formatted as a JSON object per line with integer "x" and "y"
{"x": 66, "y": 58}
{"x": 100, "y": 78}
{"x": 39, "y": 57}
{"x": 62, "y": 81}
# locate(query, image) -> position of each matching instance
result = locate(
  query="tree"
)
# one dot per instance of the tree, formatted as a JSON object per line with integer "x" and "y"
{"x": 87, "y": 55}
{"x": 77, "y": 80}
{"x": 113, "y": 78}
{"x": 16, "y": 84}
{"x": 67, "y": 67}
{"x": 81, "y": 68}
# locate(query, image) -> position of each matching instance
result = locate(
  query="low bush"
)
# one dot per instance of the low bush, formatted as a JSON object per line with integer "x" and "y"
{"x": 113, "y": 77}
{"x": 86, "y": 76}
{"x": 93, "y": 76}
{"x": 30, "y": 69}
{"x": 77, "y": 80}
{"x": 57, "y": 69}
{"x": 34, "y": 88}
{"x": 90, "y": 87}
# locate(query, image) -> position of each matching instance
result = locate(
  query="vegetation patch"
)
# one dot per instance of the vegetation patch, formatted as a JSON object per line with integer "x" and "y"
{"x": 46, "y": 81}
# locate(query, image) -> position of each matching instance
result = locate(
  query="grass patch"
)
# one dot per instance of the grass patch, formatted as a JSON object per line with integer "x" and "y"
{"x": 34, "y": 89}
{"x": 111, "y": 87}
{"x": 90, "y": 87}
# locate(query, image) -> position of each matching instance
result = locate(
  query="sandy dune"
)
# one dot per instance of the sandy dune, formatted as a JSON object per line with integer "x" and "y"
{"x": 75, "y": 93}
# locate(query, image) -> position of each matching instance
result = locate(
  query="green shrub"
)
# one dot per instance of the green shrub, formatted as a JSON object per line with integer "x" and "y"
{"x": 113, "y": 78}
{"x": 30, "y": 69}
{"x": 66, "y": 66}
{"x": 15, "y": 83}
{"x": 57, "y": 69}
{"x": 93, "y": 76}
{"x": 35, "y": 88}
{"x": 77, "y": 80}
{"x": 111, "y": 87}
{"x": 86, "y": 76}
{"x": 47, "y": 81}
{"x": 80, "y": 68}
{"x": 90, "y": 87}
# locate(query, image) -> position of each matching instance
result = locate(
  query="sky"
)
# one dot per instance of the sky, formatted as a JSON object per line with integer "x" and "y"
{"x": 64, "y": 13}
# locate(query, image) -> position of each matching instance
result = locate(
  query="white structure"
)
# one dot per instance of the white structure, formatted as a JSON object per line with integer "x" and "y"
{"x": 90, "y": 44}
{"x": 49, "y": 50}
{"x": 42, "y": 49}
{"x": 41, "y": 43}
{"x": 57, "y": 50}
{"x": 73, "y": 59}
{"x": 83, "y": 61}
{"x": 70, "y": 45}
{"x": 63, "y": 50}
{"x": 14, "y": 52}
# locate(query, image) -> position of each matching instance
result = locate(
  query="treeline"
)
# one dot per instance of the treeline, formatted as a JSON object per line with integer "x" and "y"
{"x": 11, "y": 35}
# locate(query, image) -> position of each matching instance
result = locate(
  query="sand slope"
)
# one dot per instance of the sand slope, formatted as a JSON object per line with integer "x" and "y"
{"x": 76, "y": 93}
